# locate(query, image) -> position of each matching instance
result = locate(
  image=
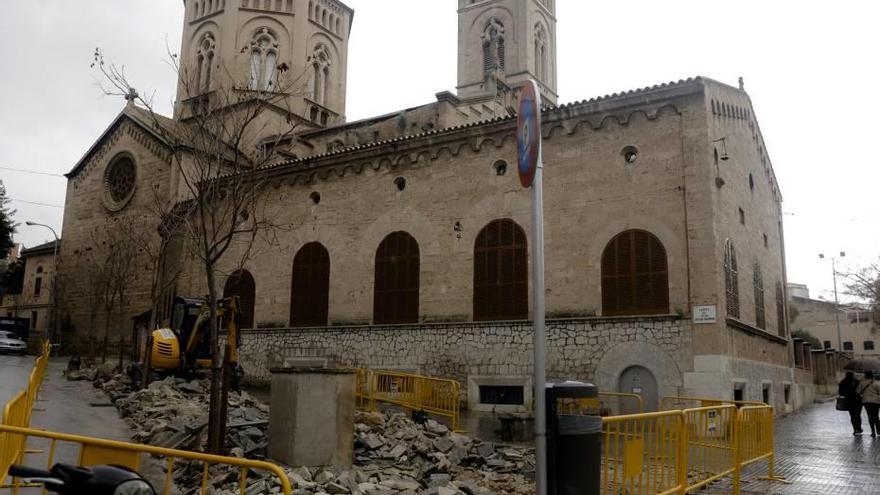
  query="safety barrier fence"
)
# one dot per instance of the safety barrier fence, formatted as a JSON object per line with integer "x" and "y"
{"x": 437, "y": 396}
{"x": 95, "y": 451}
{"x": 619, "y": 403}
{"x": 675, "y": 403}
{"x": 683, "y": 451}
{"x": 17, "y": 412}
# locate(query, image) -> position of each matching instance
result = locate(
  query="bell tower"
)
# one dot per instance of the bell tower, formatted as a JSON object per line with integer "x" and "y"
{"x": 233, "y": 50}
{"x": 503, "y": 43}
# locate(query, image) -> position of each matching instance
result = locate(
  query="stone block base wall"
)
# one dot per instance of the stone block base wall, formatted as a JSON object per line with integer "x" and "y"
{"x": 591, "y": 349}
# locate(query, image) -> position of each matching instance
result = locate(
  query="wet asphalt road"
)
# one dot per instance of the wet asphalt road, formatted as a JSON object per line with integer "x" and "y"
{"x": 14, "y": 372}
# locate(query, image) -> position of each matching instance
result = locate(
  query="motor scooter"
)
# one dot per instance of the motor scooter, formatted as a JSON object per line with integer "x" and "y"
{"x": 98, "y": 480}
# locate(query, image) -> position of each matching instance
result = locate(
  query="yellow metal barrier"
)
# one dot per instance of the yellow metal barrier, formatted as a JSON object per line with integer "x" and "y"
{"x": 98, "y": 451}
{"x": 17, "y": 413}
{"x": 683, "y": 451}
{"x": 437, "y": 396}
{"x": 709, "y": 441}
{"x": 672, "y": 403}
{"x": 614, "y": 402}
{"x": 641, "y": 454}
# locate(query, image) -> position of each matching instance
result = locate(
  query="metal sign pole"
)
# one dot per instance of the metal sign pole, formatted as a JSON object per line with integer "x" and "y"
{"x": 539, "y": 330}
{"x": 530, "y": 168}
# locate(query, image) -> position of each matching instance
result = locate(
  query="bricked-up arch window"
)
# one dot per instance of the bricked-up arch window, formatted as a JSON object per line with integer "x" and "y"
{"x": 758, "y": 282}
{"x": 731, "y": 280}
{"x": 241, "y": 284}
{"x": 396, "y": 289}
{"x": 501, "y": 265}
{"x": 780, "y": 310}
{"x": 635, "y": 275}
{"x": 310, "y": 286}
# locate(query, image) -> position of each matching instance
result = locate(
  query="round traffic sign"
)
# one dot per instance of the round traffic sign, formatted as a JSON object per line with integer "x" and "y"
{"x": 528, "y": 133}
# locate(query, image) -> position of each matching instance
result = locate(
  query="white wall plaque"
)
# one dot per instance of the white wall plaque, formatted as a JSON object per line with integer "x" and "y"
{"x": 704, "y": 314}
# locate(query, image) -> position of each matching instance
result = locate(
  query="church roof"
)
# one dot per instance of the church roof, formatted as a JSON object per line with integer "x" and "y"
{"x": 44, "y": 248}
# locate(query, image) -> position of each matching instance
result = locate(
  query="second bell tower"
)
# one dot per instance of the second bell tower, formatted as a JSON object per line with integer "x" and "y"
{"x": 506, "y": 42}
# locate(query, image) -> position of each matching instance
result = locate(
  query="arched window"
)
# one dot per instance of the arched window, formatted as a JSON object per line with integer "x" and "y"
{"x": 493, "y": 47}
{"x": 241, "y": 284}
{"x": 635, "y": 275}
{"x": 396, "y": 289}
{"x": 310, "y": 286}
{"x": 758, "y": 282}
{"x": 264, "y": 60}
{"x": 541, "y": 69}
{"x": 501, "y": 265}
{"x": 205, "y": 58}
{"x": 780, "y": 310}
{"x": 321, "y": 75}
{"x": 731, "y": 280}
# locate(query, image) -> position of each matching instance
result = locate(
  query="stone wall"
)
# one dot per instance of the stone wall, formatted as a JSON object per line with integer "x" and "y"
{"x": 575, "y": 347}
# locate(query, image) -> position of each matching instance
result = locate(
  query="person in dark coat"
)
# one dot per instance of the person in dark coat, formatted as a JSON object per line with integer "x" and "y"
{"x": 848, "y": 389}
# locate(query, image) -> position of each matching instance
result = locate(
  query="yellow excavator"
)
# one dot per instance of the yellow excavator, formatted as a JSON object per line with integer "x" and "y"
{"x": 185, "y": 346}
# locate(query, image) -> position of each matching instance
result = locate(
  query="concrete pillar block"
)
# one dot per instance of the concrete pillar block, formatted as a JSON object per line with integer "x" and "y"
{"x": 312, "y": 417}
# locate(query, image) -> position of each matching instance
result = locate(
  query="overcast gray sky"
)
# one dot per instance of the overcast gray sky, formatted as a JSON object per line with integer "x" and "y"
{"x": 810, "y": 67}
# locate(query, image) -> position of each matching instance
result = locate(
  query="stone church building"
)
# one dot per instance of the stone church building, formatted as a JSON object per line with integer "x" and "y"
{"x": 665, "y": 269}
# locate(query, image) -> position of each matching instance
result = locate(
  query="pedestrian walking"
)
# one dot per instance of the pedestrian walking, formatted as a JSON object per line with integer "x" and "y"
{"x": 869, "y": 391}
{"x": 849, "y": 400}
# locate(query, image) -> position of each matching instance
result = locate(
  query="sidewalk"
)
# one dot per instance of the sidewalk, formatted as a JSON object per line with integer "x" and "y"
{"x": 816, "y": 451}
{"x": 76, "y": 408}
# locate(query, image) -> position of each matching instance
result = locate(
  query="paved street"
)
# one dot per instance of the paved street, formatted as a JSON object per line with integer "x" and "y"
{"x": 14, "y": 372}
{"x": 67, "y": 407}
{"x": 818, "y": 454}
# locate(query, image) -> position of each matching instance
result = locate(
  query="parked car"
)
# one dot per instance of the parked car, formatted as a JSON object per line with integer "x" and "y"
{"x": 12, "y": 344}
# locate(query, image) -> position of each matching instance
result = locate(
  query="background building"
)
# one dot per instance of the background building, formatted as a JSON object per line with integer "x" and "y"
{"x": 35, "y": 300}
{"x": 858, "y": 330}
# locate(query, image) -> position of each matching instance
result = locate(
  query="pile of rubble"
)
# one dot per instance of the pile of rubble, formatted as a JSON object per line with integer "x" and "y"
{"x": 393, "y": 455}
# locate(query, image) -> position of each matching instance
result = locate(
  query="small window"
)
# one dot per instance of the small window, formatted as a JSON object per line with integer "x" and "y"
{"x": 827, "y": 344}
{"x": 739, "y": 391}
{"x": 869, "y": 345}
{"x": 742, "y": 216}
{"x": 765, "y": 393}
{"x": 400, "y": 183}
{"x": 766, "y": 241}
{"x": 847, "y": 346}
{"x": 38, "y": 285}
{"x": 33, "y": 320}
{"x": 500, "y": 167}
{"x": 786, "y": 390}
{"x": 630, "y": 155}
{"x": 751, "y": 183}
{"x": 315, "y": 198}
{"x": 502, "y": 395}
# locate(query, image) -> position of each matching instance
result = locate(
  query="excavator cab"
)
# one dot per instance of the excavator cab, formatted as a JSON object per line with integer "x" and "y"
{"x": 186, "y": 344}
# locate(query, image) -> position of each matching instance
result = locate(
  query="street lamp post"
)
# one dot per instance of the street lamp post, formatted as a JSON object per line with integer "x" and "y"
{"x": 836, "y": 301}
{"x": 53, "y": 310}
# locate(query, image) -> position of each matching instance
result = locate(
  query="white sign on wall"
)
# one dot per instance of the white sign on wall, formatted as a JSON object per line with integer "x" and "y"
{"x": 704, "y": 314}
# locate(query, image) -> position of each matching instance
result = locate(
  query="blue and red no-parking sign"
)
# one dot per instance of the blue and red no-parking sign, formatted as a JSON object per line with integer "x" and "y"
{"x": 528, "y": 133}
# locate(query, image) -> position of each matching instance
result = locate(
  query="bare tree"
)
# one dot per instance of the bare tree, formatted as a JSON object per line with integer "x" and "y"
{"x": 864, "y": 284}
{"x": 218, "y": 151}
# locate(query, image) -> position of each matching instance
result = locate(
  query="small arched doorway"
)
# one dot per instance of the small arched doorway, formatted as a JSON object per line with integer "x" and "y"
{"x": 638, "y": 380}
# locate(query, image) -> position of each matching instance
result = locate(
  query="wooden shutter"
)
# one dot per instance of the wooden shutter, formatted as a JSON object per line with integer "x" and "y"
{"x": 731, "y": 280}
{"x": 780, "y": 310}
{"x": 760, "y": 314}
{"x": 635, "y": 275}
{"x": 241, "y": 284}
{"x": 396, "y": 288}
{"x": 501, "y": 289}
{"x": 310, "y": 286}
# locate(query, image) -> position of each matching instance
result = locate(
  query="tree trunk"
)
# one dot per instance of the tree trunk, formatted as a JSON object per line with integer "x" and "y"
{"x": 217, "y": 412}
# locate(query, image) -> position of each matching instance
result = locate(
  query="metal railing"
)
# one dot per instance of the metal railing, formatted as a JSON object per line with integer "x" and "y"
{"x": 95, "y": 451}
{"x": 683, "y": 451}
{"x": 437, "y": 396}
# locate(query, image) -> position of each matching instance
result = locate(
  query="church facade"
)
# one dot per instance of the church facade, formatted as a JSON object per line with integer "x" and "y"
{"x": 665, "y": 270}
